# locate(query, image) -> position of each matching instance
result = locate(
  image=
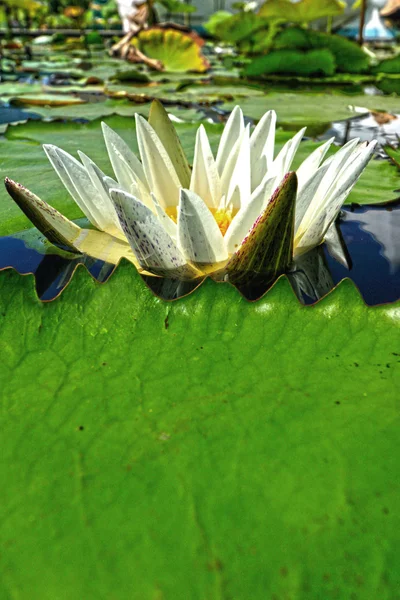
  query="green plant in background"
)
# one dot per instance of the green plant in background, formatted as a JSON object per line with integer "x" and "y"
{"x": 303, "y": 11}
{"x": 178, "y": 51}
{"x": 289, "y": 50}
{"x": 176, "y": 6}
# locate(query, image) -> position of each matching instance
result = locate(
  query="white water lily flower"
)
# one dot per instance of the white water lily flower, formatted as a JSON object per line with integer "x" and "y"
{"x": 185, "y": 222}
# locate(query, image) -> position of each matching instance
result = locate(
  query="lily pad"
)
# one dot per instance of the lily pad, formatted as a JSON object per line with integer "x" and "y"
{"x": 303, "y": 11}
{"x": 159, "y": 450}
{"x": 51, "y": 100}
{"x": 306, "y": 108}
{"x": 178, "y": 51}
{"x": 125, "y": 108}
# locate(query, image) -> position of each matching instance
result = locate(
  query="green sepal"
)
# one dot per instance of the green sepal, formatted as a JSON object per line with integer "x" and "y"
{"x": 162, "y": 125}
{"x": 268, "y": 249}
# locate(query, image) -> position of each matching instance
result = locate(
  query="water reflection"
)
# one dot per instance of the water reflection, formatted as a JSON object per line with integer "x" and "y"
{"x": 367, "y": 251}
{"x": 52, "y": 272}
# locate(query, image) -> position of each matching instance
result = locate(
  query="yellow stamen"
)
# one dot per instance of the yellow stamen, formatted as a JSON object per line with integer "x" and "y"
{"x": 223, "y": 216}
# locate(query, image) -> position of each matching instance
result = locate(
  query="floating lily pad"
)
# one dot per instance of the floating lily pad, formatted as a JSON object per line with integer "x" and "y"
{"x": 95, "y": 110}
{"x": 310, "y": 108}
{"x": 209, "y": 473}
{"x": 303, "y": 11}
{"x": 178, "y": 51}
{"x": 51, "y": 100}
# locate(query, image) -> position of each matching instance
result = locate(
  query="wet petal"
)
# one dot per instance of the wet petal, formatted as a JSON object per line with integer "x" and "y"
{"x": 199, "y": 236}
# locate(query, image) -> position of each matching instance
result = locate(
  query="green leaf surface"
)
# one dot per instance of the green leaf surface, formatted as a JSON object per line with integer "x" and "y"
{"x": 209, "y": 448}
{"x": 312, "y": 108}
{"x": 178, "y": 51}
{"x": 302, "y": 11}
{"x": 319, "y": 62}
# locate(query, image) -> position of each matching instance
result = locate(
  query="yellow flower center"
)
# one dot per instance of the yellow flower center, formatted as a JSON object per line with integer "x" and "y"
{"x": 223, "y": 216}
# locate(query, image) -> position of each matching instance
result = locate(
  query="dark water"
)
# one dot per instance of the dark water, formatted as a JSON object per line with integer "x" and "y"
{"x": 52, "y": 272}
{"x": 371, "y": 236}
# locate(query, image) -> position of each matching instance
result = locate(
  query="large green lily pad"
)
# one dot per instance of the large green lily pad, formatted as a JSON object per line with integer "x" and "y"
{"x": 312, "y": 108}
{"x": 22, "y": 159}
{"x": 208, "y": 448}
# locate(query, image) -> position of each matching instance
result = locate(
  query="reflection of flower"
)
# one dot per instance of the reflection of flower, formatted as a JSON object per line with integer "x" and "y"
{"x": 184, "y": 222}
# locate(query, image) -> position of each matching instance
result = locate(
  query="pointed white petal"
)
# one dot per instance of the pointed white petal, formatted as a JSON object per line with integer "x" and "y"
{"x": 306, "y": 195}
{"x": 160, "y": 172}
{"x": 311, "y": 163}
{"x": 109, "y": 221}
{"x": 232, "y": 132}
{"x": 335, "y": 166}
{"x": 247, "y": 215}
{"x": 332, "y": 203}
{"x": 205, "y": 181}
{"x": 117, "y": 149}
{"x": 77, "y": 182}
{"x": 230, "y": 165}
{"x": 199, "y": 236}
{"x": 239, "y": 192}
{"x": 168, "y": 224}
{"x": 283, "y": 161}
{"x": 154, "y": 249}
{"x": 262, "y": 144}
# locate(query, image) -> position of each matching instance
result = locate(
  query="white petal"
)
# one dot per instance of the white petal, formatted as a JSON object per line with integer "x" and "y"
{"x": 205, "y": 181}
{"x": 199, "y": 236}
{"x": 332, "y": 203}
{"x": 168, "y": 224}
{"x": 283, "y": 161}
{"x": 239, "y": 192}
{"x": 109, "y": 221}
{"x": 306, "y": 195}
{"x": 230, "y": 165}
{"x": 247, "y": 215}
{"x": 262, "y": 144}
{"x": 117, "y": 149}
{"x": 311, "y": 163}
{"x": 335, "y": 166}
{"x": 232, "y": 132}
{"x": 154, "y": 249}
{"x": 77, "y": 182}
{"x": 160, "y": 172}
